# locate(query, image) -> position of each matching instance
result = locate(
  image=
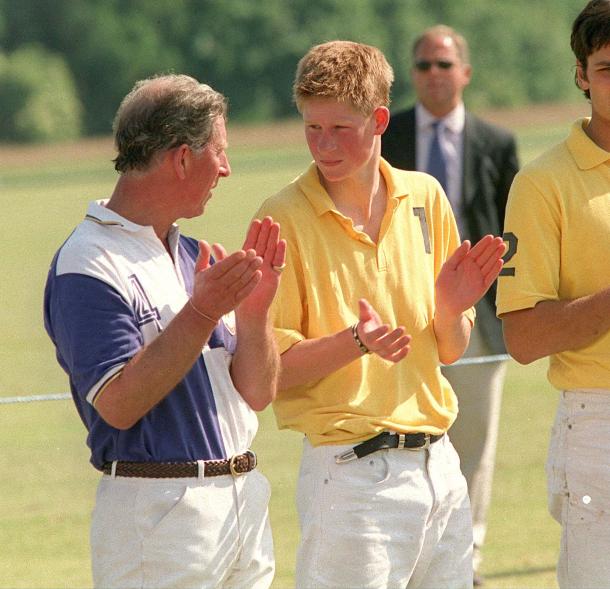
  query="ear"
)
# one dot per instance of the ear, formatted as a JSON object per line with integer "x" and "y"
{"x": 382, "y": 119}
{"x": 581, "y": 77}
{"x": 180, "y": 160}
{"x": 467, "y": 69}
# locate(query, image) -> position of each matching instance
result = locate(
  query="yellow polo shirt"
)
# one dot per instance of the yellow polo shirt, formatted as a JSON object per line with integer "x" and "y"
{"x": 330, "y": 265}
{"x": 558, "y": 215}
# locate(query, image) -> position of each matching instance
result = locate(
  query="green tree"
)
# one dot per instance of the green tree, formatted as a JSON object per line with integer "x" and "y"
{"x": 111, "y": 44}
{"x": 249, "y": 49}
{"x": 38, "y": 99}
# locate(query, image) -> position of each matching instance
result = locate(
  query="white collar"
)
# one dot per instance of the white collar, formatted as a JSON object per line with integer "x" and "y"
{"x": 99, "y": 213}
{"x": 454, "y": 121}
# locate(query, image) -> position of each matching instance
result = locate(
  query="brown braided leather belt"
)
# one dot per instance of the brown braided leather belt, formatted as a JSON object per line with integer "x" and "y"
{"x": 236, "y": 466}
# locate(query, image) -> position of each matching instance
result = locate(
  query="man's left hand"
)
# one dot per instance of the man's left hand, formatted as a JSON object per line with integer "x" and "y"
{"x": 467, "y": 275}
{"x": 264, "y": 238}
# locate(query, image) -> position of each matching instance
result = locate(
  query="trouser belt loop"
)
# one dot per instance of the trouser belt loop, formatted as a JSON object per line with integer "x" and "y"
{"x": 113, "y": 469}
{"x": 401, "y": 441}
{"x": 200, "y": 469}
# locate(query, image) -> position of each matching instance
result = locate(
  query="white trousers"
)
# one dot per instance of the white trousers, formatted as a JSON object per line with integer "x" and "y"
{"x": 475, "y": 431}
{"x": 182, "y": 533}
{"x": 392, "y": 519}
{"x": 578, "y": 479}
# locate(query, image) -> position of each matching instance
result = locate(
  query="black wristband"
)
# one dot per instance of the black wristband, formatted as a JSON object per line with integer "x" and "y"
{"x": 358, "y": 341}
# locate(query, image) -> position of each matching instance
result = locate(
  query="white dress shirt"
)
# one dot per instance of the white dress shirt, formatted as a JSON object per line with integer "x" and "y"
{"x": 451, "y": 137}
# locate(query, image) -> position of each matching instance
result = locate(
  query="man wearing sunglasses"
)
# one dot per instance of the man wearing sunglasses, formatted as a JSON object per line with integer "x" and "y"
{"x": 475, "y": 162}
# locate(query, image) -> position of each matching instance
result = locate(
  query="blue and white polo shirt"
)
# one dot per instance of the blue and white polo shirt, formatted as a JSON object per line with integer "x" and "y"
{"x": 112, "y": 288}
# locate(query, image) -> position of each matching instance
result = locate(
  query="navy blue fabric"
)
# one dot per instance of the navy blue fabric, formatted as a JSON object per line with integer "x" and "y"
{"x": 95, "y": 329}
{"x": 437, "y": 166}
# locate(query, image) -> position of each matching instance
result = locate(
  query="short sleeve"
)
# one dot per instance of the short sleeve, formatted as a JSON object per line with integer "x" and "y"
{"x": 289, "y": 310}
{"x": 94, "y": 330}
{"x": 532, "y": 231}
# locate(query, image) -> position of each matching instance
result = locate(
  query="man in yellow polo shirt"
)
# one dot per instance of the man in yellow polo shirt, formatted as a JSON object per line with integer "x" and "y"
{"x": 377, "y": 292}
{"x": 554, "y": 300}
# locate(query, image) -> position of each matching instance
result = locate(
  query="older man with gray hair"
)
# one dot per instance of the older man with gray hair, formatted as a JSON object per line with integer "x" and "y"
{"x": 169, "y": 352}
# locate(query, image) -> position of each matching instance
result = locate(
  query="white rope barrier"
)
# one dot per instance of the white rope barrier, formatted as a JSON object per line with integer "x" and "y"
{"x": 481, "y": 360}
{"x": 34, "y": 398}
{"x": 64, "y": 396}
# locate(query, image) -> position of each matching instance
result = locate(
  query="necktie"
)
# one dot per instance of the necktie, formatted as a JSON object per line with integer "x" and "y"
{"x": 437, "y": 166}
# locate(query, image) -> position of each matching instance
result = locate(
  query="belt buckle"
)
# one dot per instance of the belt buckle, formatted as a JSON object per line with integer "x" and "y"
{"x": 252, "y": 460}
{"x": 233, "y": 466}
{"x": 424, "y": 446}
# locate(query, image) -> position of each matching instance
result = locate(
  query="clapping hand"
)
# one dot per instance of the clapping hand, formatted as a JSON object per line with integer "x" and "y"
{"x": 251, "y": 273}
{"x": 467, "y": 275}
{"x": 264, "y": 238}
{"x": 390, "y": 344}
{"x": 220, "y": 287}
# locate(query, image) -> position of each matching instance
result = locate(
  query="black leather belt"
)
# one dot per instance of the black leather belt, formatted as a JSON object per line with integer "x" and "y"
{"x": 387, "y": 440}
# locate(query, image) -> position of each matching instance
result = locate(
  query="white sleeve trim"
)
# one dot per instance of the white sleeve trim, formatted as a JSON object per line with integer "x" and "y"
{"x": 97, "y": 388}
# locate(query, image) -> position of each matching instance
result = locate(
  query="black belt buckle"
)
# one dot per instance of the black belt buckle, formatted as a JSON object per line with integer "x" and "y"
{"x": 424, "y": 446}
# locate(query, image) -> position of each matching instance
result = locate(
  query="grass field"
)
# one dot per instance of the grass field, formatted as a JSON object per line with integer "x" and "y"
{"x": 46, "y": 485}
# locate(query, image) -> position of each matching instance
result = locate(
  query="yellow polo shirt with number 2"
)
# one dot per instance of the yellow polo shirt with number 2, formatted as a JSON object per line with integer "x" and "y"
{"x": 558, "y": 232}
{"x": 330, "y": 265}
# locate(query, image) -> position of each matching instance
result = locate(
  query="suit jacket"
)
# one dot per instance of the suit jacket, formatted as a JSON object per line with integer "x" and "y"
{"x": 490, "y": 164}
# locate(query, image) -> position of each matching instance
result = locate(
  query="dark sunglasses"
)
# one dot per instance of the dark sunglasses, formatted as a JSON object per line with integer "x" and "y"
{"x": 423, "y": 66}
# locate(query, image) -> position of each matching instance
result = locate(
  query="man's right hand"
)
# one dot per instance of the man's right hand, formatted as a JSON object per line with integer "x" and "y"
{"x": 379, "y": 338}
{"x": 310, "y": 360}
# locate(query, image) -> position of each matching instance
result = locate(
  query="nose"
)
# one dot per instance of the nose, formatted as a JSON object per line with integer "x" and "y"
{"x": 436, "y": 68}
{"x": 326, "y": 141}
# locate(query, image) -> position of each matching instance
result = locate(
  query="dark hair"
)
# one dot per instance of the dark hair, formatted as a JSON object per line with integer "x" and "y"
{"x": 590, "y": 32}
{"x": 161, "y": 113}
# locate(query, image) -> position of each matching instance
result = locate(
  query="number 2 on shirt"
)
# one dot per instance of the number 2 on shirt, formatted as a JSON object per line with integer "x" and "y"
{"x": 511, "y": 240}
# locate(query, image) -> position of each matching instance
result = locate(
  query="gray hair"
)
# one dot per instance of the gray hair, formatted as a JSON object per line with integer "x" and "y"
{"x": 163, "y": 112}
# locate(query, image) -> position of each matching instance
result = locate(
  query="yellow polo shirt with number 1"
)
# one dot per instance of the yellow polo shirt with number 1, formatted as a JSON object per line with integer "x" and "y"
{"x": 330, "y": 265}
